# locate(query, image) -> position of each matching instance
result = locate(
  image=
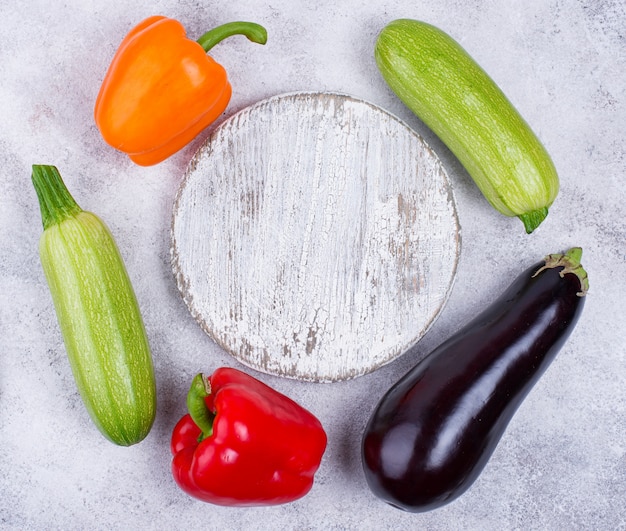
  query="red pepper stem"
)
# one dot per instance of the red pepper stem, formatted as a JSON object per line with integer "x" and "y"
{"x": 200, "y": 413}
{"x": 253, "y": 31}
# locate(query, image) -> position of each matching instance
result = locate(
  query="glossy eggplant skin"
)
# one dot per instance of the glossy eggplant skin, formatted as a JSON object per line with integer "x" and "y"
{"x": 433, "y": 432}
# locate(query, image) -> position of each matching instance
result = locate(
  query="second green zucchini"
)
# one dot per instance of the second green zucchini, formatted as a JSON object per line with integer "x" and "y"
{"x": 438, "y": 80}
{"x": 98, "y": 313}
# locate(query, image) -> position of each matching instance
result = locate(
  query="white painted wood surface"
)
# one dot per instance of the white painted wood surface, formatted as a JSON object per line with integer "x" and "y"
{"x": 315, "y": 236}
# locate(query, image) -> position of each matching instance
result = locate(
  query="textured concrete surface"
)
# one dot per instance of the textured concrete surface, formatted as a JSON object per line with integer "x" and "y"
{"x": 562, "y": 461}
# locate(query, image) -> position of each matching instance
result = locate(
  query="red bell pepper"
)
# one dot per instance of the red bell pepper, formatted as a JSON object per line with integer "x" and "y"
{"x": 243, "y": 443}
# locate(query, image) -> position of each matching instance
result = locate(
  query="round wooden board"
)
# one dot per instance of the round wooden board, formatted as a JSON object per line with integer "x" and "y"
{"x": 315, "y": 236}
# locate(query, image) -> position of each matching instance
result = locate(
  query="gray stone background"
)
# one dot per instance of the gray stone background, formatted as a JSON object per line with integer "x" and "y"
{"x": 562, "y": 462}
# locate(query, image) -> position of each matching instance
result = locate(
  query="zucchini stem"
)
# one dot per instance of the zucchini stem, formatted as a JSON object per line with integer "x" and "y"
{"x": 532, "y": 220}
{"x": 55, "y": 201}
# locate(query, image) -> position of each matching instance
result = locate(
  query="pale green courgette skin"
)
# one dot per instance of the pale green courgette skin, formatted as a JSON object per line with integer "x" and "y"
{"x": 98, "y": 314}
{"x": 437, "y": 80}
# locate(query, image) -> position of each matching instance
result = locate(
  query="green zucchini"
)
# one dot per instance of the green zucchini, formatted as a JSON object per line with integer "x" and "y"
{"x": 98, "y": 313}
{"x": 437, "y": 80}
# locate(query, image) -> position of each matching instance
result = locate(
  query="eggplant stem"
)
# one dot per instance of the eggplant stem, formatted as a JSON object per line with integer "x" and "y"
{"x": 570, "y": 262}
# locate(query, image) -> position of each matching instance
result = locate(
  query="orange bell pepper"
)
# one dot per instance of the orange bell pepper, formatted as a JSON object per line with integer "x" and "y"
{"x": 162, "y": 89}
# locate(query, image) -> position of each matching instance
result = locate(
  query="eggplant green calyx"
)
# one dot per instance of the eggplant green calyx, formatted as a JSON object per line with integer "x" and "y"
{"x": 254, "y": 32}
{"x": 55, "y": 201}
{"x": 570, "y": 262}
{"x": 200, "y": 413}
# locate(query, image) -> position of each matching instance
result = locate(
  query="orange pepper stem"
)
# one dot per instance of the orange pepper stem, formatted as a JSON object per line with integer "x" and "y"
{"x": 253, "y": 31}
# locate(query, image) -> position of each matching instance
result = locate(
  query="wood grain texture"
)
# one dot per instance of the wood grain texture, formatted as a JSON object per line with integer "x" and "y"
{"x": 315, "y": 236}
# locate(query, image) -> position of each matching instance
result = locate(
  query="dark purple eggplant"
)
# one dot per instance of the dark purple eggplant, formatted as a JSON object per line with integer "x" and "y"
{"x": 433, "y": 432}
